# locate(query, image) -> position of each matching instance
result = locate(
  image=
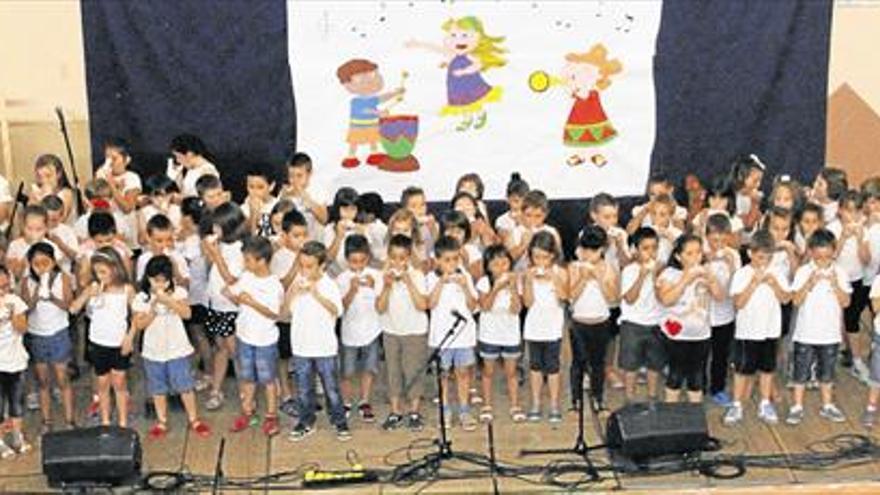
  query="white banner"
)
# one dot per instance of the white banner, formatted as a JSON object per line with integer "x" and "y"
{"x": 560, "y": 91}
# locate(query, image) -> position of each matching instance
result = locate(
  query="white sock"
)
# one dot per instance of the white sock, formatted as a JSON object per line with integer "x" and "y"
{"x": 764, "y": 402}
{"x": 736, "y": 403}
{"x": 871, "y": 408}
{"x": 796, "y": 407}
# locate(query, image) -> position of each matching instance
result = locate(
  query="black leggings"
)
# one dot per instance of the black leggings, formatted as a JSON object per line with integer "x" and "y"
{"x": 687, "y": 364}
{"x": 11, "y": 394}
{"x": 589, "y": 344}
{"x": 722, "y": 337}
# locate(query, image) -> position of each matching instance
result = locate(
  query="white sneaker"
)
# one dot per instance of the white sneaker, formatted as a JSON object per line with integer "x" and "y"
{"x": 860, "y": 371}
{"x": 832, "y": 413}
{"x": 734, "y": 414}
{"x": 767, "y": 413}
{"x": 33, "y": 401}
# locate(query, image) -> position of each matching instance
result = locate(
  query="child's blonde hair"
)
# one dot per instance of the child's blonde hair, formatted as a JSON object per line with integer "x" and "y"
{"x": 598, "y": 56}
{"x": 488, "y": 50}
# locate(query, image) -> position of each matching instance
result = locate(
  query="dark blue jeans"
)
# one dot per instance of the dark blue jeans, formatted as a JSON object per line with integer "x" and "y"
{"x": 304, "y": 369}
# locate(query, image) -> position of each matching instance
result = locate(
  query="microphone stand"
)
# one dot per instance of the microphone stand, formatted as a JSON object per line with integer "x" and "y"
{"x": 580, "y": 445}
{"x": 493, "y": 466}
{"x": 15, "y": 202}
{"x": 80, "y": 206}
{"x": 218, "y": 468}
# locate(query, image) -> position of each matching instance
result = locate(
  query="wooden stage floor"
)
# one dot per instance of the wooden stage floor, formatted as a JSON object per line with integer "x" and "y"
{"x": 249, "y": 454}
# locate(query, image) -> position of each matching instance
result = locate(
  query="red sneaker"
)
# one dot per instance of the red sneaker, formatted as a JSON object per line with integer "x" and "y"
{"x": 200, "y": 428}
{"x": 157, "y": 431}
{"x": 350, "y": 162}
{"x": 270, "y": 426}
{"x": 94, "y": 408}
{"x": 241, "y": 423}
{"x": 376, "y": 158}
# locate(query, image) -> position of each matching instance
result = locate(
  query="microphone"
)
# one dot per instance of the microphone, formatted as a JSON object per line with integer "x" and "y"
{"x": 458, "y": 316}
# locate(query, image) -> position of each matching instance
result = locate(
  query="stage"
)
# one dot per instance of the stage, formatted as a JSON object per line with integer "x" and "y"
{"x": 251, "y": 455}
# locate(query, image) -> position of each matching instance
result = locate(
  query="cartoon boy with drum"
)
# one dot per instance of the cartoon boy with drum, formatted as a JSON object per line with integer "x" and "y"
{"x": 362, "y": 79}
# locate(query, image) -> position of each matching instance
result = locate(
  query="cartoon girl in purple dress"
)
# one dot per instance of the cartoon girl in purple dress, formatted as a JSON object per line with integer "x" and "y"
{"x": 470, "y": 52}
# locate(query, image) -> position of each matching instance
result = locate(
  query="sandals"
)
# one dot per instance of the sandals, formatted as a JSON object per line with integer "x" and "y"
{"x": 158, "y": 431}
{"x": 486, "y": 415}
{"x": 200, "y": 428}
{"x": 517, "y": 414}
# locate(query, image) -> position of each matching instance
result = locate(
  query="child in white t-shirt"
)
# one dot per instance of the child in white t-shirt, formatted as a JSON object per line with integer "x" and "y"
{"x": 48, "y": 290}
{"x": 401, "y": 305}
{"x": 685, "y": 287}
{"x": 13, "y": 364}
{"x": 544, "y": 292}
{"x": 60, "y": 233}
{"x": 257, "y": 206}
{"x": 222, "y": 249}
{"x": 293, "y": 234}
{"x": 189, "y": 246}
{"x": 125, "y": 185}
{"x": 456, "y": 225}
{"x": 341, "y": 225}
{"x": 314, "y": 304}
{"x": 848, "y": 228}
{"x": 759, "y": 290}
{"x": 722, "y": 260}
{"x": 35, "y": 230}
{"x": 309, "y": 199}
{"x": 499, "y": 335}
{"x": 160, "y": 190}
{"x": 640, "y": 340}
{"x": 258, "y": 294}
{"x": 159, "y": 310}
{"x": 820, "y": 291}
{"x": 660, "y": 214}
{"x": 594, "y": 285}
{"x": 359, "y": 285}
{"x": 869, "y": 417}
{"x": 452, "y": 300}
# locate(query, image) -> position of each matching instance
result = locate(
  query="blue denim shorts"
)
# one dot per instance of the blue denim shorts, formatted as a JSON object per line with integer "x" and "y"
{"x": 52, "y": 349}
{"x": 494, "y": 351}
{"x": 166, "y": 377}
{"x": 363, "y": 358}
{"x": 258, "y": 364}
{"x": 458, "y": 358}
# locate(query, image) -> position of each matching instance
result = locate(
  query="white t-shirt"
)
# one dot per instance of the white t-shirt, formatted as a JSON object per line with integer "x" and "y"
{"x": 108, "y": 312}
{"x": 689, "y": 316}
{"x": 252, "y": 327}
{"x": 761, "y": 317}
{"x": 646, "y": 310}
{"x": 666, "y": 242}
{"x": 818, "y": 318}
{"x": 19, "y": 248}
{"x": 67, "y": 235}
{"x": 612, "y": 253}
{"x": 377, "y": 233}
{"x": 81, "y": 226}
{"x": 188, "y": 183}
{"x": 498, "y": 326}
{"x": 516, "y": 236}
{"x": 402, "y": 316}
{"x": 165, "y": 337}
{"x": 231, "y": 253}
{"x": 319, "y": 196}
{"x": 338, "y": 264}
{"x": 173, "y": 213}
{"x": 872, "y": 235}
{"x": 591, "y": 306}
{"x": 282, "y": 262}
{"x": 360, "y": 322}
{"x": 546, "y": 316}
{"x": 46, "y": 318}
{"x": 176, "y": 258}
{"x": 782, "y": 264}
{"x": 13, "y": 355}
{"x": 452, "y": 298}
{"x": 848, "y": 259}
{"x": 197, "y": 266}
{"x": 723, "y": 312}
{"x": 128, "y": 181}
{"x": 312, "y": 327}
{"x": 505, "y": 222}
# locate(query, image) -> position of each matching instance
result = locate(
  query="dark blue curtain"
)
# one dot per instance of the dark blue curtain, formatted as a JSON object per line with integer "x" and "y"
{"x": 217, "y": 69}
{"x": 731, "y": 76}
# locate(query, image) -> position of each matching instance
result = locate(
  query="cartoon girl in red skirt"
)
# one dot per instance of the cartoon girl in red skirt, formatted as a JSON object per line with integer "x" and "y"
{"x": 585, "y": 75}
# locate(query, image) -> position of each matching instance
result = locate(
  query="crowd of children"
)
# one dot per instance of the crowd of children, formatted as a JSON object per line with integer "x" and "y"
{"x": 305, "y": 294}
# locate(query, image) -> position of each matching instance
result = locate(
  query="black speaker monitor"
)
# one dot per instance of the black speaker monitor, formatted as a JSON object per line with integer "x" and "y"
{"x": 103, "y": 455}
{"x": 641, "y": 431}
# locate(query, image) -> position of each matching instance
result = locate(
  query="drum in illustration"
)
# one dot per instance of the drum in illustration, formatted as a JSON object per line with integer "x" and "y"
{"x": 398, "y": 137}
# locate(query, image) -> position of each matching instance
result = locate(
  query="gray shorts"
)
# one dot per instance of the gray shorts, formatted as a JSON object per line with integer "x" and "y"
{"x": 360, "y": 359}
{"x": 640, "y": 345}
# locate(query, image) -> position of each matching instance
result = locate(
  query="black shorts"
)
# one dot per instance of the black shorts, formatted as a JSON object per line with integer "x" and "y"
{"x": 284, "y": 351}
{"x": 11, "y": 394}
{"x": 220, "y": 323}
{"x": 640, "y": 345}
{"x": 544, "y": 356}
{"x": 198, "y": 316}
{"x": 613, "y": 326}
{"x": 852, "y": 313}
{"x": 107, "y": 359}
{"x": 751, "y": 356}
